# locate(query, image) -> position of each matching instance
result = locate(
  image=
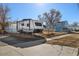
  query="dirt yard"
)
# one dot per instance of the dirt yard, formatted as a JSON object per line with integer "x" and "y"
{"x": 72, "y": 41}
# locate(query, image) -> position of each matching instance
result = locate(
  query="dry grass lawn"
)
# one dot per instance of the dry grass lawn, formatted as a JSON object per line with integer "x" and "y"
{"x": 72, "y": 41}
{"x": 48, "y": 34}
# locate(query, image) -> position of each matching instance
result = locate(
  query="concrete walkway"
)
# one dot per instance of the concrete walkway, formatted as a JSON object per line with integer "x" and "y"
{"x": 49, "y": 50}
{"x": 57, "y": 37}
{"x": 39, "y": 50}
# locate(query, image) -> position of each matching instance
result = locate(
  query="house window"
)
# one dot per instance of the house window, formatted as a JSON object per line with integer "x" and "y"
{"x": 38, "y": 24}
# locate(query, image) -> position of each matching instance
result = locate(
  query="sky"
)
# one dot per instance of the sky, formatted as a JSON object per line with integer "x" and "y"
{"x": 19, "y": 11}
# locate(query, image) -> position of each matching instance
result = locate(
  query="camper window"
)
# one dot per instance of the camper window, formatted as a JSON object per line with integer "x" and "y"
{"x": 28, "y": 25}
{"x": 22, "y": 24}
{"x": 38, "y": 24}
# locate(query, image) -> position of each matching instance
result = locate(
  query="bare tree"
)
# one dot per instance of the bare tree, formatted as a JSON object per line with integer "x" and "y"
{"x": 3, "y": 15}
{"x": 39, "y": 16}
{"x": 51, "y": 18}
{"x": 48, "y": 18}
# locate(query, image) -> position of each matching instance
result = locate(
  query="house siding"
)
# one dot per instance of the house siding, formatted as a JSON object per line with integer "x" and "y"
{"x": 11, "y": 28}
{"x": 59, "y": 26}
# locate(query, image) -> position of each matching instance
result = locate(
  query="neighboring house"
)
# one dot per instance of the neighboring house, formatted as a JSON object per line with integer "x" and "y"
{"x": 57, "y": 27}
{"x": 73, "y": 28}
{"x": 61, "y": 26}
{"x": 11, "y": 27}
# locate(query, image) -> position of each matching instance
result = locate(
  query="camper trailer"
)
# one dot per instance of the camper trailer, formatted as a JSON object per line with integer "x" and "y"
{"x": 29, "y": 26}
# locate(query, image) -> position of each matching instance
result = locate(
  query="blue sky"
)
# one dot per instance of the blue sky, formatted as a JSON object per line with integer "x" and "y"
{"x": 69, "y": 11}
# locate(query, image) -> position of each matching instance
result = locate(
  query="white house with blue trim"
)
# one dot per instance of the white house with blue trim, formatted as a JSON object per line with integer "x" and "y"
{"x": 59, "y": 27}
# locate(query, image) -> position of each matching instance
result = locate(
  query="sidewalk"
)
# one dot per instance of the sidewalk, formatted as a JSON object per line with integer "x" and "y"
{"x": 3, "y": 36}
{"x": 39, "y": 50}
{"x": 57, "y": 37}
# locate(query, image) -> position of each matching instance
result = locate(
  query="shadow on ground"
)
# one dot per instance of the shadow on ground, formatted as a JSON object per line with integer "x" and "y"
{"x": 23, "y": 43}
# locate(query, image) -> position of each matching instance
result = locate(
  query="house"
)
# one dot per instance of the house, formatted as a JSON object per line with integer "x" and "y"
{"x": 11, "y": 27}
{"x": 57, "y": 27}
{"x": 73, "y": 28}
{"x": 61, "y": 26}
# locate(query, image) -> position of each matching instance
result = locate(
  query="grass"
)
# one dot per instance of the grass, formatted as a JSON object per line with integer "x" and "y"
{"x": 72, "y": 41}
{"x": 48, "y": 34}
